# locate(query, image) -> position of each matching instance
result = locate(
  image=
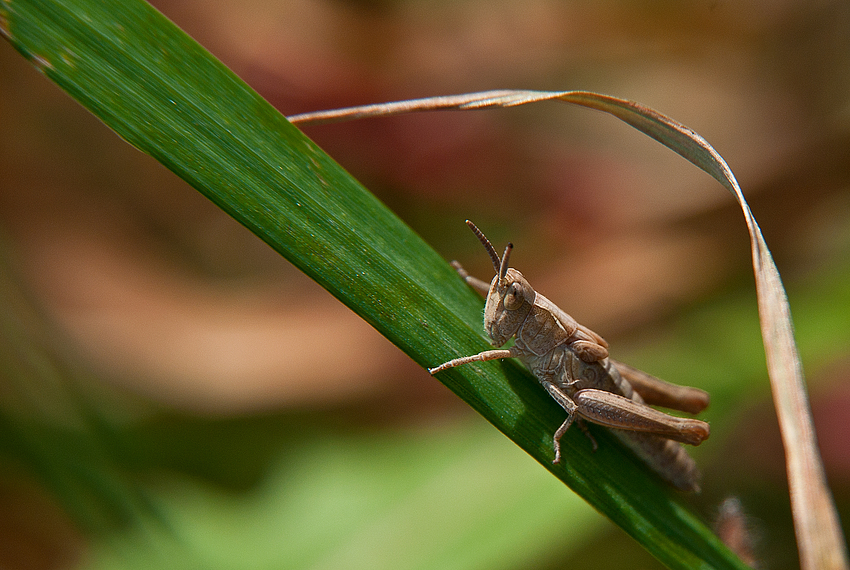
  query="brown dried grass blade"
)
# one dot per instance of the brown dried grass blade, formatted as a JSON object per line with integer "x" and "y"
{"x": 819, "y": 536}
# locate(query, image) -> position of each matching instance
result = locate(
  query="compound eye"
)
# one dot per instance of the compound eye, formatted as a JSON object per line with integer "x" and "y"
{"x": 515, "y": 297}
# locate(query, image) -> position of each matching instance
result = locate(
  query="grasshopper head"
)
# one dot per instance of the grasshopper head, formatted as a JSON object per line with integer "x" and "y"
{"x": 510, "y": 299}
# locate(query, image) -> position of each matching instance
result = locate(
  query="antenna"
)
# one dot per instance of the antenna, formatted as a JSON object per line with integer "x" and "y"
{"x": 503, "y": 268}
{"x": 497, "y": 263}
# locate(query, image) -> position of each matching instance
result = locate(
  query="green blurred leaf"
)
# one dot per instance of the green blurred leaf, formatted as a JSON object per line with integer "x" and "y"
{"x": 431, "y": 510}
{"x": 167, "y": 96}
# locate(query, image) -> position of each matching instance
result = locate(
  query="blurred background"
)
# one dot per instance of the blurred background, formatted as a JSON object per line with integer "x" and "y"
{"x": 174, "y": 394}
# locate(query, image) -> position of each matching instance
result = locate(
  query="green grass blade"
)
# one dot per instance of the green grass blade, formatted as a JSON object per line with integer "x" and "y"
{"x": 167, "y": 96}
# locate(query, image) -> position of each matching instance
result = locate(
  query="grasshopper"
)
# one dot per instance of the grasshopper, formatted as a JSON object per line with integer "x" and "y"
{"x": 571, "y": 362}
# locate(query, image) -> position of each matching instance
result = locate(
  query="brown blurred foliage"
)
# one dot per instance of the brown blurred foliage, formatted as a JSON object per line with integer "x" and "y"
{"x": 165, "y": 294}
{"x": 162, "y": 294}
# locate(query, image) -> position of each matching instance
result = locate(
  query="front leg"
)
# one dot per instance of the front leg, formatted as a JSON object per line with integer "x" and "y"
{"x": 479, "y": 285}
{"x": 497, "y": 354}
